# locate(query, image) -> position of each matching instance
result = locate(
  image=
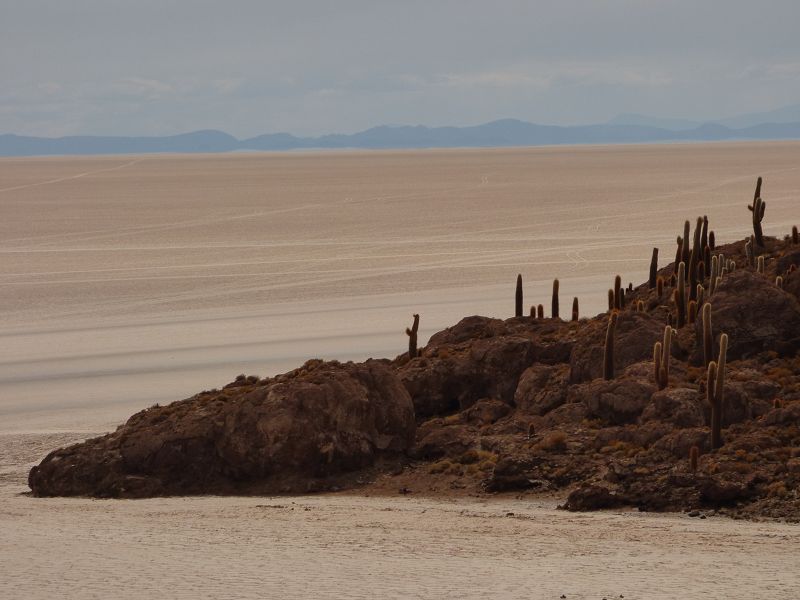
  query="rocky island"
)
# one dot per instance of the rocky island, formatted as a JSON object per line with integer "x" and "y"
{"x": 685, "y": 395}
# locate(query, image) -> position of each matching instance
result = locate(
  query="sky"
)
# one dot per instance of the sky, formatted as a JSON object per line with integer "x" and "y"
{"x": 247, "y": 67}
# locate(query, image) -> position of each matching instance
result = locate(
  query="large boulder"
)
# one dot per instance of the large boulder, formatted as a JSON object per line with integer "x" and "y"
{"x": 542, "y": 388}
{"x": 757, "y": 315}
{"x": 680, "y": 406}
{"x": 480, "y": 358}
{"x": 617, "y": 402}
{"x": 320, "y": 420}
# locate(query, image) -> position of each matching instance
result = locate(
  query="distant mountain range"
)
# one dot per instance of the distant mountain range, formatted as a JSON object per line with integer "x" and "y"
{"x": 781, "y": 124}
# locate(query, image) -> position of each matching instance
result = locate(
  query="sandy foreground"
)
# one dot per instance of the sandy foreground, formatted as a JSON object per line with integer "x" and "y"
{"x": 126, "y": 281}
{"x": 351, "y": 546}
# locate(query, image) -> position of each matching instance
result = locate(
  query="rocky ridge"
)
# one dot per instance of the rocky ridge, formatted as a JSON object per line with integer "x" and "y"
{"x": 491, "y": 406}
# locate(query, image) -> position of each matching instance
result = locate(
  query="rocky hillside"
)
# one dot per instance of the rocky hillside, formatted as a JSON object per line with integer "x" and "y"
{"x": 685, "y": 395}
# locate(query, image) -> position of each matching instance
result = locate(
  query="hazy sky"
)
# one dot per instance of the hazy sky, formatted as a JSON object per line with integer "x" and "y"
{"x": 317, "y": 66}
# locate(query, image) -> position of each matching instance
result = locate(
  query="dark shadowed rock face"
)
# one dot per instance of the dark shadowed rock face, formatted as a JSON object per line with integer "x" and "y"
{"x": 481, "y": 358}
{"x": 755, "y": 313}
{"x": 320, "y": 420}
{"x": 616, "y": 402}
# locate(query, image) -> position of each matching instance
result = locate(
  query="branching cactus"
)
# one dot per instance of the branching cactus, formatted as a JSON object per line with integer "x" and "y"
{"x": 518, "y": 297}
{"x": 608, "y": 351}
{"x": 412, "y": 338}
{"x": 757, "y": 208}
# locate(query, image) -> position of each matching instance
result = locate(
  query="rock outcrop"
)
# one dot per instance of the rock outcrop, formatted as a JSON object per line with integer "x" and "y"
{"x": 282, "y": 434}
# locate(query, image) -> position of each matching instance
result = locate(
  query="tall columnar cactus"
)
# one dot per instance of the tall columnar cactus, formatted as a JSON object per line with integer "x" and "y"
{"x": 608, "y": 351}
{"x": 707, "y": 334}
{"x": 701, "y": 294}
{"x": 659, "y": 286}
{"x": 618, "y": 292}
{"x": 795, "y": 239}
{"x": 779, "y": 281}
{"x": 718, "y": 383}
{"x": 694, "y": 258}
{"x": 610, "y": 300}
{"x": 653, "y": 268}
{"x": 554, "y": 301}
{"x": 757, "y": 208}
{"x": 540, "y": 311}
{"x": 575, "y": 314}
{"x": 711, "y": 240}
{"x": 761, "y": 265}
{"x": 518, "y": 297}
{"x": 661, "y": 355}
{"x": 679, "y": 295}
{"x": 707, "y": 259}
{"x": 692, "y": 311}
{"x": 687, "y": 227}
{"x": 704, "y": 234}
{"x": 678, "y": 254}
{"x": 412, "y": 338}
{"x": 748, "y": 252}
{"x": 712, "y": 280}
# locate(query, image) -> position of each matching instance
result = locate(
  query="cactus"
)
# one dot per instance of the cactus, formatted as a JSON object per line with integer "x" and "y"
{"x": 707, "y": 259}
{"x": 701, "y": 294}
{"x": 694, "y": 259}
{"x": 610, "y": 300}
{"x": 757, "y": 208}
{"x": 694, "y": 452}
{"x": 704, "y": 234}
{"x": 712, "y": 281}
{"x": 640, "y": 306}
{"x": 575, "y": 308}
{"x": 657, "y": 353}
{"x": 795, "y": 239}
{"x": 711, "y": 241}
{"x": 748, "y": 252}
{"x": 412, "y": 338}
{"x": 608, "y": 351}
{"x": 779, "y": 281}
{"x": 653, "y": 268}
{"x": 540, "y": 311}
{"x": 760, "y": 267}
{"x": 518, "y": 297}
{"x": 533, "y": 311}
{"x": 618, "y": 292}
{"x": 661, "y": 355}
{"x": 659, "y": 286}
{"x": 554, "y": 301}
{"x": 679, "y": 295}
{"x": 692, "y": 311}
{"x": 678, "y": 254}
{"x": 719, "y": 392}
{"x": 707, "y": 334}
{"x": 686, "y": 250}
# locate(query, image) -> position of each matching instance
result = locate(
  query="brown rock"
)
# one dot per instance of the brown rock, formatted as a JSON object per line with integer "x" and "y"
{"x": 636, "y": 334}
{"x": 755, "y": 313}
{"x": 479, "y": 358}
{"x": 618, "y": 401}
{"x": 679, "y": 406}
{"x": 320, "y": 420}
{"x": 542, "y": 388}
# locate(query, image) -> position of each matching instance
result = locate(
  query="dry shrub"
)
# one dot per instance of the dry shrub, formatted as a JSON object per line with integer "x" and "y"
{"x": 553, "y": 441}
